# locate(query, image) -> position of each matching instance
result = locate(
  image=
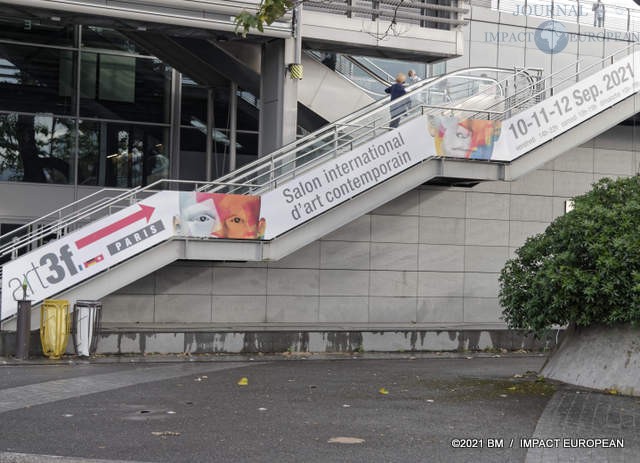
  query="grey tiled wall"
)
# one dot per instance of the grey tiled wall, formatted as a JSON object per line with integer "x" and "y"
{"x": 431, "y": 256}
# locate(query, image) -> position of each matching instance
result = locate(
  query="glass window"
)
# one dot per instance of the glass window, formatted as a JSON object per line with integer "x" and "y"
{"x": 108, "y": 39}
{"x": 36, "y": 148}
{"x": 123, "y": 87}
{"x": 193, "y": 152}
{"x": 36, "y": 79}
{"x": 35, "y": 30}
{"x": 194, "y": 103}
{"x": 122, "y": 155}
{"x": 248, "y": 112}
{"x": 117, "y": 78}
{"x": 247, "y": 145}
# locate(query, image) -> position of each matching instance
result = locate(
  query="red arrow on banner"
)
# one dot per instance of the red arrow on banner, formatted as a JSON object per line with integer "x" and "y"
{"x": 145, "y": 212}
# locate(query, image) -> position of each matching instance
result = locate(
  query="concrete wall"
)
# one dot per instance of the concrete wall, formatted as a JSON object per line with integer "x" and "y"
{"x": 429, "y": 258}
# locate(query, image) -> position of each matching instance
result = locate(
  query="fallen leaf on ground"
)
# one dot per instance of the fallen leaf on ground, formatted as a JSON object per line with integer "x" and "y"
{"x": 244, "y": 381}
{"x": 383, "y": 391}
{"x": 165, "y": 433}
{"x": 345, "y": 440}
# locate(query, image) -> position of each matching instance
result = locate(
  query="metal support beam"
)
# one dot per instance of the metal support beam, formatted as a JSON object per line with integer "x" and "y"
{"x": 176, "y": 110}
{"x": 210, "y": 128}
{"x": 233, "y": 125}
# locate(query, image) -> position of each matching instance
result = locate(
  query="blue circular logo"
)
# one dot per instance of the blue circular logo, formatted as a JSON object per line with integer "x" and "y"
{"x": 551, "y": 37}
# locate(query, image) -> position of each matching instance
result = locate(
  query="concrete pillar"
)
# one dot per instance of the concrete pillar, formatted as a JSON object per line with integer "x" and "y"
{"x": 278, "y": 96}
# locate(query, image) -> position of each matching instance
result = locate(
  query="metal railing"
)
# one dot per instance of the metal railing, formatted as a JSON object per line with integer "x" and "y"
{"x": 444, "y": 14}
{"x": 347, "y": 66}
{"x": 552, "y": 84}
{"x": 491, "y": 93}
{"x": 302, "y": 154}
{"x": 79, "y": 213}
{"x": 473, "y": 89}
{"x": 616, "y": 17}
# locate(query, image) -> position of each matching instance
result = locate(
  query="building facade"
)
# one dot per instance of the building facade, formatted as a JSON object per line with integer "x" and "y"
{"x": 421, "y": 270}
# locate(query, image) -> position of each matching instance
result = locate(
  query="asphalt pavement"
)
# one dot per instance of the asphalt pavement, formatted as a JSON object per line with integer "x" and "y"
{"x": 398, "y": 408}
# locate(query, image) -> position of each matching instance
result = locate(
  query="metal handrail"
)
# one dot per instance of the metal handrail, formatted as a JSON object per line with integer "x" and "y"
{"x": 286, "y": 152}
{"x": 576, "y": 76}
{"x": 352, "y": 123}
{"x": 366, "y": 112}
{"x": 314, "y": 55}
{"x": 367, "y": 65}
{"x": 528, "y": 94}
{"x": 84, "y": 214}
{"x": 49, "y": 218}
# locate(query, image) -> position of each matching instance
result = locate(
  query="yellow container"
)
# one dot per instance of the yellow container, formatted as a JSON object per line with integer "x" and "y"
{"x": 55, "y": 325}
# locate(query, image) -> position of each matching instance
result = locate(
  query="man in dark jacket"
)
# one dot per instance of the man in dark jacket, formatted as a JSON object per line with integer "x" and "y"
{"x": 396, "y": 91}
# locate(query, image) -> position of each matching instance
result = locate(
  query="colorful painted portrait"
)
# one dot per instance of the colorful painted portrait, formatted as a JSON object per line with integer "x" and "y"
{"x": 219, "y": 215}
{"x": 464, "y": 138}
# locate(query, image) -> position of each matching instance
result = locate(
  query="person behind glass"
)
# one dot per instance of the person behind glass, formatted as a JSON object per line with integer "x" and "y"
{"x": 412, "y": 77}
{"x": 598, "y": 14}
{"x": 330, "y": 60}
{"x": 396, "y": 91}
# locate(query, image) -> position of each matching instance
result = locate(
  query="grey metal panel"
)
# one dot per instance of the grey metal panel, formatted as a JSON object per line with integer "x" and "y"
{"x": 23, "y": 202}
{"x": 359, "y": 36}
{"x": 327, "y": 93}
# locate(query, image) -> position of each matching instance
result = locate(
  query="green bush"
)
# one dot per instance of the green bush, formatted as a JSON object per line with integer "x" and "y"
{"x": 585, "y": 267}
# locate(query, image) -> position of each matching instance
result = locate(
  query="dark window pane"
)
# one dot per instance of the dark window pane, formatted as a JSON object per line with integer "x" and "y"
{"x": 194, "y": 104}
{"x": 117, "y": 78}
{"x": 122, "y": 155}
{"x": 193, "y": 152}
{"x": 109, "y": 39}
{"x": 36, "y": 79}
{"x": 122, "y": 87}
{"x": 248, "y": 113}
{"x": 247, "y": 144}
{"x": 36, "y": 148}
{"x": 35, "y": 30}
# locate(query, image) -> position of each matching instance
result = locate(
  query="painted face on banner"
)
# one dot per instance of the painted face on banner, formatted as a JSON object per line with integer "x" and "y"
{"x": 240, "y": 216}
{"x": 456, "y": 140}
{"x": 464, "y": 138}
{"x": 201, "y": 219}
{"x": 218, "y": 215}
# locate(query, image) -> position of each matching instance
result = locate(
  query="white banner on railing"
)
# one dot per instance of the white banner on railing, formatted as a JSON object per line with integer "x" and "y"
{"x": 63, "y": 263}
{"x": 568, "y": 108}
{"x": 335, "y": 181}
{"x": 77, "y": 256}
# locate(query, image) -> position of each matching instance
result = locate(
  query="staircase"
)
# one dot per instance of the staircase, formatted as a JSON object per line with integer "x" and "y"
{"x": 469, "y": 126}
